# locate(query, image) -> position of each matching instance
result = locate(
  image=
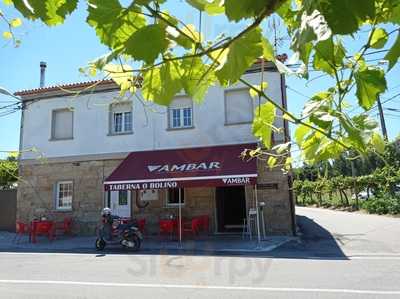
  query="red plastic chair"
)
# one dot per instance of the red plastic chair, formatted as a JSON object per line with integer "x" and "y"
{"x": 167, "y": 227}
{"x": 192, "y": 227}
{"x": 205, "y": 223}
{"x": 42, "y": 228}
{"x": 20, "y": 229}
{"x": 141, "y": 224}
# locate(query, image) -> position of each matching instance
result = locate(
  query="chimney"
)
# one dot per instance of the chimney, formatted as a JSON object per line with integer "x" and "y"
{"x": 43, "y": 66}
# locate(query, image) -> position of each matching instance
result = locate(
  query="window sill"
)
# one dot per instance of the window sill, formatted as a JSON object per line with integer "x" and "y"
{"x": 238, "y": 123}
{"x": 180, "y": 128}
{"x": 172, "y": 206}
{"x": 61, "y": 139}
{"x": 63, "y": 210}
{"x": 119, "y": 134}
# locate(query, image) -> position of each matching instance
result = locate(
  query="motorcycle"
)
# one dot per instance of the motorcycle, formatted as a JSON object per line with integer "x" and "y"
{"x": 125, "y": 234}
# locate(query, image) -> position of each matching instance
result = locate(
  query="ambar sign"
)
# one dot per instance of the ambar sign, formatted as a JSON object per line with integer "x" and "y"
{"x": 237, "y": 181}
{"x": 184, "y": 167}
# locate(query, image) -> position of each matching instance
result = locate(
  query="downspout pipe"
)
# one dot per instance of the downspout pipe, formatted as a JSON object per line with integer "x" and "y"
{"x": 290, "y": 176}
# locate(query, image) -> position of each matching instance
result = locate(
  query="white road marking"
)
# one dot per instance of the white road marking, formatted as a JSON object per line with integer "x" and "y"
{"x": 205, "y": 287}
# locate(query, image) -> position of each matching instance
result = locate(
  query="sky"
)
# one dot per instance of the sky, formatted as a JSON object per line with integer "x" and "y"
{"x": 70, "y": 46}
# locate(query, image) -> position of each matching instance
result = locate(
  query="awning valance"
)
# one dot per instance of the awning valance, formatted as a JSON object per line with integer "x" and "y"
{"x": 190, "y": 167}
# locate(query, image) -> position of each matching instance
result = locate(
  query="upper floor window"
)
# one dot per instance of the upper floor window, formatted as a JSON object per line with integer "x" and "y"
{"x": 181, "y": 113}
{"x": 239, "y": 106}
{"x": 64, "y": 192}
{"x": 62, "y": 124}
{"x": 121, "y": 118}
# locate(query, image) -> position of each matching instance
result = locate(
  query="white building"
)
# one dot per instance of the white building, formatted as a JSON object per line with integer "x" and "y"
{"x": 80, "y": 139}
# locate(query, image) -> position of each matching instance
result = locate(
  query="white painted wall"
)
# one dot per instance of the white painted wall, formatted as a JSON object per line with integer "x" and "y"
{"x": 91, "y": 124}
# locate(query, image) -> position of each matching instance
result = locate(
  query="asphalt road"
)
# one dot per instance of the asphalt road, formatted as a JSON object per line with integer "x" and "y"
{"x": 340, "y": 255}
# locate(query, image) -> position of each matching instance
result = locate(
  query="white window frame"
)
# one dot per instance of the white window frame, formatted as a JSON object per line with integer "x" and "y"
{"x": 181, "y": 111}
{"x": 53, "y": 123}
{"x": 57, "y": 195}
{"x": 167, "y": 198}
{"x": 226, "y": 100}
{"x": 125, "y": 128}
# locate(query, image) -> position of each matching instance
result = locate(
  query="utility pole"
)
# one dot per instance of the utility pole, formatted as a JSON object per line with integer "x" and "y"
{"x": 382, "y": 118}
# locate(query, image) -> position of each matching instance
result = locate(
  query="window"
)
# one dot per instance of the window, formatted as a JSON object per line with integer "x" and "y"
{"x": 62, "y": 124}
{"x": 123, "y": 198}
{"x": 238, "y": 107}
{"x": 64, "y": 191}
{"x": 181, "y": 113}
{"x": 173, "y": 196}
{"x": 121, "y": 118}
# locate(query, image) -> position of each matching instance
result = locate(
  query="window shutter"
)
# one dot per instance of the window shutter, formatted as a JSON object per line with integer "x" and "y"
{"x": 62, "y": 124}
{"x": 239, "y": 106}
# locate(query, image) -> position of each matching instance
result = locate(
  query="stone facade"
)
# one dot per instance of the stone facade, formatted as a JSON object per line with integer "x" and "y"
{"x": 36, "y": 196}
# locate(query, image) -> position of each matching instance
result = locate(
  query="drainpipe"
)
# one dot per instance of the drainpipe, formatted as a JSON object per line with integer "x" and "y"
{"x": 287, "y": 139}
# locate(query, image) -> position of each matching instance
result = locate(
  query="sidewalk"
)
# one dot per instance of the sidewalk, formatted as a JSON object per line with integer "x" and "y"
{"x": 205, "y": 244}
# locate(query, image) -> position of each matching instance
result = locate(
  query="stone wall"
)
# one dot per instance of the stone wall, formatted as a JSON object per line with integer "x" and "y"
{"x": 36, "y": 197}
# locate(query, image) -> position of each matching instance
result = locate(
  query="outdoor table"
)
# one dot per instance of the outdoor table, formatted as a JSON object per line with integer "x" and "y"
{"x": 42, "y": 227}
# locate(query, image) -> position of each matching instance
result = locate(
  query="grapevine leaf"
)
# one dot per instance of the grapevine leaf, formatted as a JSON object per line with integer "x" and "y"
{"x": 147, "y": 43}
{"x": 242, "y": 54}
{"x": 394, "y": 53}
{"x": 263, "y": 123}
{"x": 370, "y": 83}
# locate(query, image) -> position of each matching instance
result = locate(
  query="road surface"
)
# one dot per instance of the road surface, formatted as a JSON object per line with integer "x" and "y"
{"x": 340, "y": 255}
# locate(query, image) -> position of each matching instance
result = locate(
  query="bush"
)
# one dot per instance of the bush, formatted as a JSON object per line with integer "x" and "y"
{"x": 382, "y": 205}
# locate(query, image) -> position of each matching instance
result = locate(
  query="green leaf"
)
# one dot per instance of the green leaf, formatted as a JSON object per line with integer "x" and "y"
{"x": 196, "y": 77}
{"x": 147, "y": 43}
{"x": 242, "y": 54}
{"x": 114, "y": 24}
{"x": 328, "y": 56}
{"x": 51, "y": 12}
{"x": 214, "y": 7}
{"x": 378, "y": 142}
{"x": 242, "y": 9}
{"x": 271, "y": 161}
{"x": 161, "y": 84}
{"x": 122, "y": 75}
{"x": 262, "y": 87}
{"x": 394, "y": 53}
{"x": 263, "y": 123}
{"x": 354, "y": 134}
{"x": 300, "y": 133}
{"x": 268, "y": 50}
{"x": 343, "y": 16}
{"x": 370, "y": 83}
{"x": 379, "y": 38}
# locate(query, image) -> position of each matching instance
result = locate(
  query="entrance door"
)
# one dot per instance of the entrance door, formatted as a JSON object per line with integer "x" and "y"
{"x": 231, "y": 208}
{"x": 120, "y": 203}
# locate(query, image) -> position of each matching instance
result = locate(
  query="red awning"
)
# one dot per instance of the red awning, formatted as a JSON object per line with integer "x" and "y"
{"x": 191, "y": 167}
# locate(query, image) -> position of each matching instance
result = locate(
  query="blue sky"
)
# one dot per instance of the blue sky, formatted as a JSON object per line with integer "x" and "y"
{"x": 70, "y": 46}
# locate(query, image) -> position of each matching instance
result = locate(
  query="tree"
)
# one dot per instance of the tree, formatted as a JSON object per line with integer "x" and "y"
{"x": 8, "y": 172}
{"x": 151, "y": 46}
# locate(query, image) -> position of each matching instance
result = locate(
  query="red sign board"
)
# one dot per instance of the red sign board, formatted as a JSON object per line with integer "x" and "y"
{"x": 190, "y": 167}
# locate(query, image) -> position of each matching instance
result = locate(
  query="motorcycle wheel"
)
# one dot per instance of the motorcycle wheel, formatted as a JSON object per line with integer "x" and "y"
{"x": 136, "y": 243}
{"x": 100, "y": 244}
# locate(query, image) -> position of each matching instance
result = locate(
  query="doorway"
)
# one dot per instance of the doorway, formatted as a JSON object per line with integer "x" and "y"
{"x": 231, "y": 208}
{"x": 120, "y": 203}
